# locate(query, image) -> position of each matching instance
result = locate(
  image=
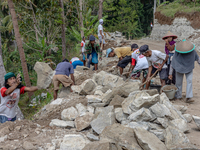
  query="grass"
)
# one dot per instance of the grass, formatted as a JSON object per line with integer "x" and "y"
{"x": 170, "y": 9}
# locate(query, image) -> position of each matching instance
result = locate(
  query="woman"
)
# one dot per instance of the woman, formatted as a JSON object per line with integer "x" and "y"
{"x": 10, "y": 95}
{"x": 183, "y": 63}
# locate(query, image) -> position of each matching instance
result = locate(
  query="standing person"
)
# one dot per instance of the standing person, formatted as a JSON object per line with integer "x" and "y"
{"x": 169, "y": 49}
{"x": 124, "y": 55}
{"x": 156, "y": 61}
{"x": 63, "y": 70}
{"x": 83, "y": 51}
{"x": 94, "y": 49}
{"x": 75, "y": 61}
{"x": 10, "y": 95}
{"x": 183, "y": 63}
{"x": 100, "y": 33}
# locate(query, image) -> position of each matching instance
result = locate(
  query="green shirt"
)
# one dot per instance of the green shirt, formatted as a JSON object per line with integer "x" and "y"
{"x": 88, "y": 48}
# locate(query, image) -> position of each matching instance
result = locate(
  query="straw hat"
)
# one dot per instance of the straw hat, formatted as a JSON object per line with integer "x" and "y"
{"x": 169, "y": 34}
{"x": 184, "y": 47}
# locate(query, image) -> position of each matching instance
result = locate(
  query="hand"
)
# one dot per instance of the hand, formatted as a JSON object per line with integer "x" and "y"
{"x": 148, "y": 79}
{"x": 166, "y": 40}
{"x": 170, "y": 77}
{"x": 159, "y": 67}
{"x": 18, "y": 79}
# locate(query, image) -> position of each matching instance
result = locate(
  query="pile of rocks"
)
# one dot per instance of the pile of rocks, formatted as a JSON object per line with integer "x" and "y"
{"x": 120, "y": 116}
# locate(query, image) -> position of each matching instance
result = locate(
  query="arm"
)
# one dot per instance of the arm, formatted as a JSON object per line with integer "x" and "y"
{"x": 14, "y": 86}
{"x": 170, "y": 72}
{"x": 31, "y": 89}
{"x": 101, "y": 34}
{"x": 132, "y": 65}
{"x": 166, "y": 58}
{"x": 149, "y": 72}
{"x": 72, "y": 77}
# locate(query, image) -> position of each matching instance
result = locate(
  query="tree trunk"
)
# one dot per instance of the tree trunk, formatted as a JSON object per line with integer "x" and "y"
{"x": 100, "y": 9}
{"x": 81, "y": 17}
{"x": 1, "y": 52}
{"x": 2, "y": 68}
{"x": 63, "y": 30}
{"x": 154, "y": 10}
{"x": 19, "y": 44}
{"x": 35, "y": 22}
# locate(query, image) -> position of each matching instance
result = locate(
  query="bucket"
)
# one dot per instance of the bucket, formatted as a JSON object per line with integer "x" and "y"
{"x": 170, "y": 91}
{"x": 157, "y": 87}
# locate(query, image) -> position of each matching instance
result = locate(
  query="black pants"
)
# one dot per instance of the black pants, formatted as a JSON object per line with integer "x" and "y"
{"x": 124, "y": 62}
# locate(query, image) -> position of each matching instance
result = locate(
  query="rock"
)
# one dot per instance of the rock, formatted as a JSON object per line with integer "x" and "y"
{"x": 160, "y": 110}
{"x": 105, "y": 118}
{"x": 151, "y": 92}
{"x": 120, "y": 135}
{"x": 87, "y": 87}
{"x": 81, "y": 68}
{"x": 116, "y": 101}
{"x": 181, "y": 108}
{"x": 99, "y": 110}
{"x": 81, "y": 108}
{"x": 28, "y": 146}
{"x": 19, "y": 114}
{"x": 188, "y": 117}
{"x": 76, "y": 88}
{"x": 159, "y": 133}
{"x": 176, "y": 139}
{"x": 64, "y": 92}
{"x": 2, "y": 139}
{"x": 107, "y": 97}
{"x": 100, "y": 146}
{"x": 129, "y": 87}
{"x": 44, "y": 75}
{"x": 90, "y": 109}
{"x": 148, "y": 141}
{"x": 119, "y": 115}
{"x": 69, "y": 114}
{"x": 61, "y": 123}
{"x": 83, "y": 121}
{"x": 94, "y": 99}
{"x": 127, "y": 102}
{"x": 163, "y": 121}
{"x": 145, "y": 101}
{"x": 74, "y": 142}
{"x": 180, "y": 124}
{"x": 92, "y": 137}
{"x": 98, "y": 93}
{"x": 58, "y": 101}
{"x": 141, "y": 115}
{"x": 134, "y": 125}
{"x": 197, "y": 121}
{"x": 97, "y": 104}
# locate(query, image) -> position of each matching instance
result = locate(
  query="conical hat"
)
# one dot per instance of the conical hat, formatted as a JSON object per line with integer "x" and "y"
{"x": 169, "y": 34}
{"x": 184, "y": 47}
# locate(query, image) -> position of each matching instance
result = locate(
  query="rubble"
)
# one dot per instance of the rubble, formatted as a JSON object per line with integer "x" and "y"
{"x": 197, "y": 121}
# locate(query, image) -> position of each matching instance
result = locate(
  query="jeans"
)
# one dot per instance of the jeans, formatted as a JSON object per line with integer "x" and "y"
{"x": 77, "y": 63}
{"x": 4, "y": 119}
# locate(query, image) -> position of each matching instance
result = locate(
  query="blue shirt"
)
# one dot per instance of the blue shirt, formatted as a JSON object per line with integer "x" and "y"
{"x": 64, "y": 68}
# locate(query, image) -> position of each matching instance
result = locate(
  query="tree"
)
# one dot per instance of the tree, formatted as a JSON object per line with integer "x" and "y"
{"x": 100, "y": 9}
{"x": 81, "y": 17}
{"x": 19, "y": 44}
{"x": 63, "y": 30}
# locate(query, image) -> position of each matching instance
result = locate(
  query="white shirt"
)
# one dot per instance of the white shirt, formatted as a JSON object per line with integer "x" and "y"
{"x": 74, "y": 59}
{"x": 83, "y": 47}
{"x": 100, "y": 27}
{"x": 156, "y": 58}
{"x": 141, "y": 61}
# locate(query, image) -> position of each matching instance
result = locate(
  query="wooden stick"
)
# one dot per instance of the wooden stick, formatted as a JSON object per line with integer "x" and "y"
{"x": 149, "y": 79}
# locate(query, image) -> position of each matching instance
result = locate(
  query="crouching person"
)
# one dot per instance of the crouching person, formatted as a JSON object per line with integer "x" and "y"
{"x": 10, "y": 95}
{"x": 63, "y": 70}
{"x": 156, "y": 61}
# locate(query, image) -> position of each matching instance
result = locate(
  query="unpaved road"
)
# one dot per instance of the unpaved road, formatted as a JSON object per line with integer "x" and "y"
{"x": 194, "y": 108}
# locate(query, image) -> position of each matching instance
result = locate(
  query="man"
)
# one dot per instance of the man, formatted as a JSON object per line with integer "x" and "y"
{"x": 10, "y": 95}
{"x": 75, "y": 61}
{"x": 124, "y": 55}
{"x": 94, "y": 49}
{"x": 63, "y": 70}
{"x": 156, "y": 61}
{"x": 83, "y": 50}
{"x": 100, "y": 33}
{"x": 139, "y": 64}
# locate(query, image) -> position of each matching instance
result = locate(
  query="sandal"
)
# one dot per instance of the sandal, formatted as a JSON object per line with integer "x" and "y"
{"x": 189, "y": 100}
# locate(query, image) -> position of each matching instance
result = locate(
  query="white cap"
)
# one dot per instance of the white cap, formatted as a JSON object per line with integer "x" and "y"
{"x": 101, "y": 21}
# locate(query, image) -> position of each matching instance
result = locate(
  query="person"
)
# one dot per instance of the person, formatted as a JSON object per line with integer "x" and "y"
{"x": 169, "y": 50}
{"x": 75, "y": 61}
{"x": 151, "y": 26}
{"x": 156, "y": 61}
{"x": 83, "y": 50}
{"x": 63, "y": 70}
{"x": 10, "y": 95}
{"x": 93, "y": 49}
{"x": 124, "y": 55}
{"x": 139, "y": 65}
{"x": 183, "y": 63}
{"x": 100, "y": 33}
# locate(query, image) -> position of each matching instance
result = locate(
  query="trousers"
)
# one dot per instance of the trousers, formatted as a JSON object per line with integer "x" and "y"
{"x": 179, "y": 83}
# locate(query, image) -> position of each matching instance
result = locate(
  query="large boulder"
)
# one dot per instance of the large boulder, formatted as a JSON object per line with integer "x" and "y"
{"x": 81, "y": 108}
{"x": 160, "y": 110}
{"x": 120, "y": 116}
{"x": 141, "y": 115}
{"x": 160, "y": 133}
{"x": 180, "y": 124}
{"x": 64, "y": 92}
{"x": 69, "y": 114}
{"x": 148, "y": 141}
{"x": 83, "y": 121}
{"x": 44, "y": 75}
{"x": 62, "y": 123}
{"x": 117, "y": 101}
{"x": 138, "y": 124}
{"x": 120, "y": 135}
{"x": 104, "y": 119}
{"x": 197, "y": 121}
{"x": 87, "y": 87}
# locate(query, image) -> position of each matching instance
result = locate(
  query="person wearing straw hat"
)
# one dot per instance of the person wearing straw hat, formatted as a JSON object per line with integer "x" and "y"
{"x": 183, "y": 63}
{"x": 169, "y": 48}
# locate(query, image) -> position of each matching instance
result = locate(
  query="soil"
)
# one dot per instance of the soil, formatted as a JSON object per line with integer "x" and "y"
{"x": 193, "y": 17}
{"x": 170, "y": 88}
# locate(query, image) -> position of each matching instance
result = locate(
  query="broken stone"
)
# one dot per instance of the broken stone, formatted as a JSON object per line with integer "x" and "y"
{"x": 134, "y": 125}
{"x": 141, "y": 115}
{"x": 2, "y": 139}
{"x": 101, "y": 145}
{"x": 98, "y": 93}
{"x": 97, "y": 105}
{"x": 92, "y": 137}
{"x": 58, "y": 101}
{"x": 29, "y": 146}
{"x": 188, "y": 117}
{"x": 151, "y": 92}
{"x": 81, "y": 108}
{"x": 61, "y": 123}
{"x": 119, "y": 115}
{"x": 159, "y": 133}
{"x": 90, "y": 109}
{"x": 69, "y": 114}
{"x": 44, "y": 75}
{"x": 197, "y": 121}
{"x": 120, "y": 135}
{"x": 74, "y": 142}
{"x": 116, "y": 101}
{"x": 94, "y": 99}
{"x": 160, "y": 110}
{"x": 107, "y": 97}
{"x": 129, "y": 87}
{"x": 148, "y": 140}
{"x": 76, "y": 88}
{"x": 87, "y": 87}
{"x": 105, "y": 118}
{"x": 83, "y": 121}
{"x": 180, "y": 124}
{"x": 163, "y": 121}
{"x": 181, "y": 108}
{"x": 64, "y": 92}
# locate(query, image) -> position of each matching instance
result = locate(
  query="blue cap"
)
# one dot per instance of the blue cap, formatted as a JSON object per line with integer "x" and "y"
{"x": 92, "y": 38}
{"x": 108, "y": 51}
